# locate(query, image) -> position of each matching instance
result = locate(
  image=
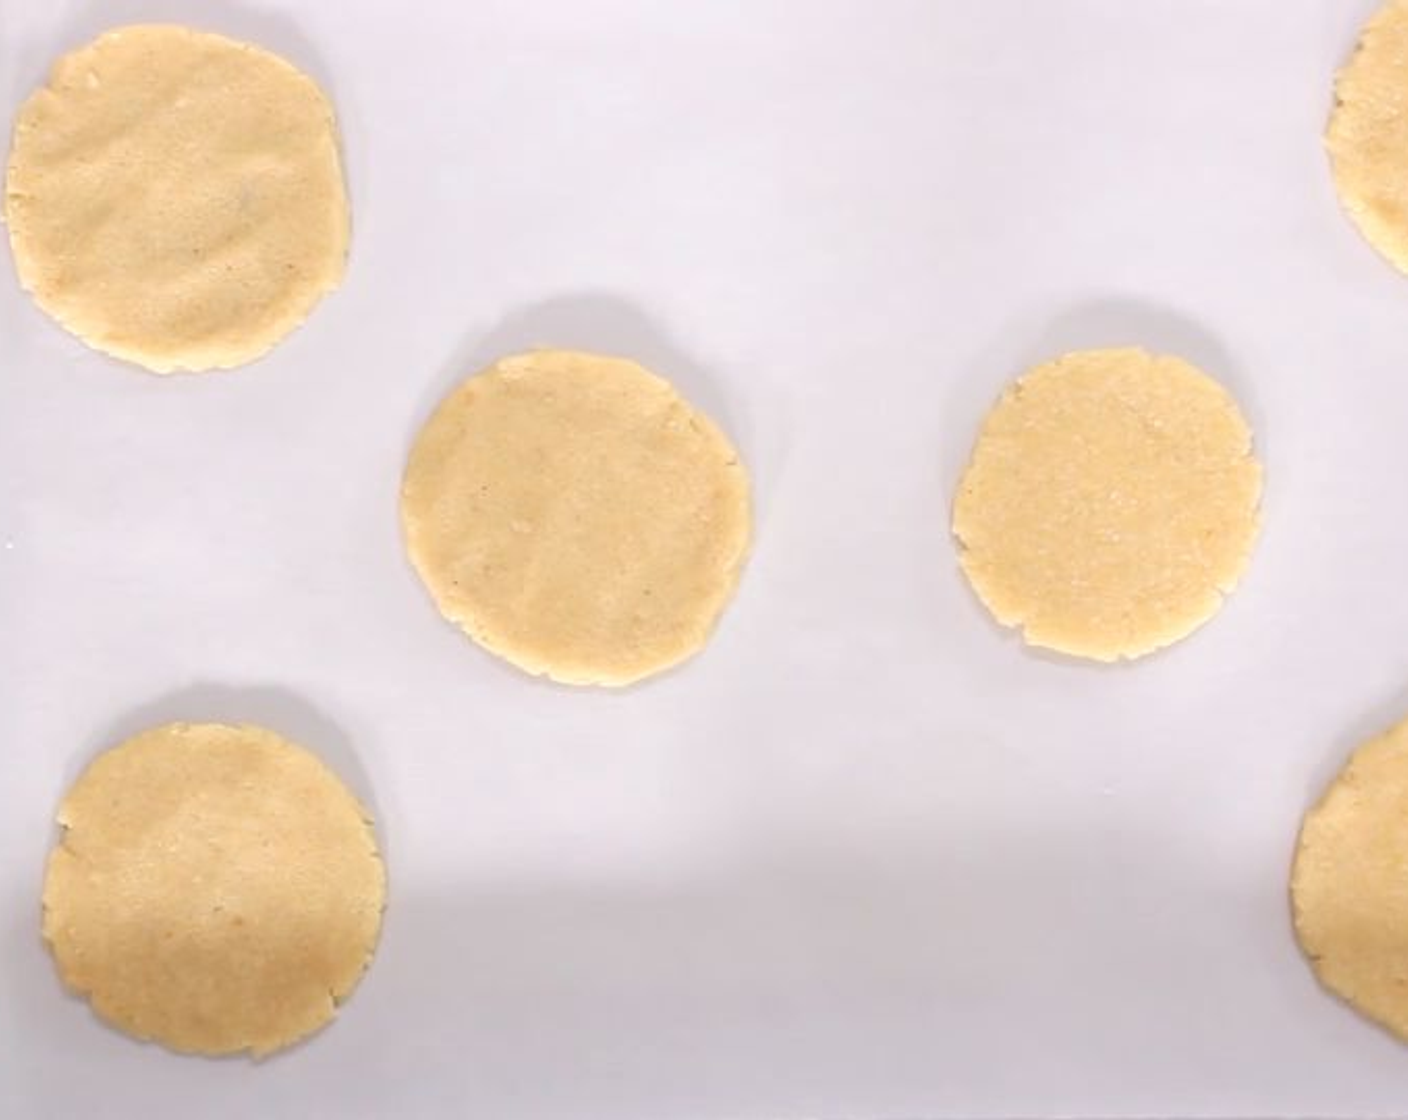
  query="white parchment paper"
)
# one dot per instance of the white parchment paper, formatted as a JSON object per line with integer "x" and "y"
{"x": 866, "y": 856}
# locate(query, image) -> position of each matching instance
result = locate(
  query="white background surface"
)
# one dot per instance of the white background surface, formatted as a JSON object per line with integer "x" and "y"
{"x": 864, "y": 857}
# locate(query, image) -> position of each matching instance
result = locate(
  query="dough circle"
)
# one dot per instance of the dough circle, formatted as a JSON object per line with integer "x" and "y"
{"x": 1110, "y": 503}
{"x": 1368, "y": 134}
{"x": 216, "y": 889}
{"x": 175, "y": 198}
{"x": 577, "y": 517}
{"x": 1348, "y": 894}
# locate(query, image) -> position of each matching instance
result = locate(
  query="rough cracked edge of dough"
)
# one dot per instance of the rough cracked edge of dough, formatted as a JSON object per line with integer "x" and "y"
{"x": 256, "y": 1051}
{"x": 1076, "y": 650}
{"x": 528, "y": 661}
{"x": 216, "y": 358}
{"x": 1389, "y": 242}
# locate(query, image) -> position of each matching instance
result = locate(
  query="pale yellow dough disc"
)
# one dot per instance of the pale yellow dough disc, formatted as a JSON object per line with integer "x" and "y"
{"x": 1110, "y": 504}
{"x": 216, "y": 889}
{"x": 175, "y": 198}
{"x": 576, "y": 516}
{"x": 1368, "y": 133}
{"x": 1349, "y": 884}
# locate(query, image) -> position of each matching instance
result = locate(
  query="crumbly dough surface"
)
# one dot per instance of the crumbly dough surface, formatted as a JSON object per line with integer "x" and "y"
{"x": 576, "y": 516}
{"x": 1368, "y": 133}
{"x": 217, "y": 889}
{"x": 1349, "y": 887}
{"x": 1110, "y": 503}
{"x": 175, "y": 198}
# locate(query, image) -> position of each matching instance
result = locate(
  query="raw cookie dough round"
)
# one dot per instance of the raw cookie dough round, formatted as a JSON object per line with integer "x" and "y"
{"x": 576, "y": 516}
{"x": 1110, "y": 504}
{"x": 1349, "y": 891}
{"x": 216, "y": 889}
{"x": 175, "y": 198}
{"x": 1368, "y": 134}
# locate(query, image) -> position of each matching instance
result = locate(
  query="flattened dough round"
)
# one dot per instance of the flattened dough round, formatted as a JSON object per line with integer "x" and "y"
{"x": 1368, "y": 134}
{"x": 1110, "y": 504}
{"x": 216, "y": 889}
{"x": 175, "y": 198}
{"x": 1349, "y": 883}
{"x": 576, "y": 516}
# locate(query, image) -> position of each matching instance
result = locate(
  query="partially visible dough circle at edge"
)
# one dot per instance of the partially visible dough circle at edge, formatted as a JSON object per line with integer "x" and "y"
{"x": 1349, "y": 902}
{"x": 1367, "y": 137}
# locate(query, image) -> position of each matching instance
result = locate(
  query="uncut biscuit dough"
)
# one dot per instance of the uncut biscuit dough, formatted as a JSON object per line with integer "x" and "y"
{"x": 217, "y": 889}
{"x": 576, "y": 516}
{"x": 1110, "y": 503}
{"x": 1349, "y": 890}
{"x": 175, "y": 198}
{"x": 1368, "y": 133}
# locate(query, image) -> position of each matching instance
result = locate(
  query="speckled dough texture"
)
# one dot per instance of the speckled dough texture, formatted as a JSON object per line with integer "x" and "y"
{"x": 1368, "y": 134}
{"x": 175, "y": 198}
{"x": 1110, "y": 503}
{"x": 1349, "y": 890}
{"x": 217, "y": 889}
{"x": 576, "y": 516}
